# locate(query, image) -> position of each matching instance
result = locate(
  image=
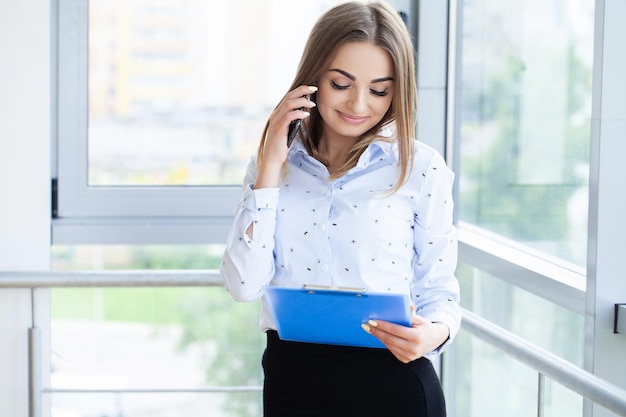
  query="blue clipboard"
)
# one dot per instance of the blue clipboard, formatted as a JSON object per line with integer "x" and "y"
{"x": 333, "y": 316}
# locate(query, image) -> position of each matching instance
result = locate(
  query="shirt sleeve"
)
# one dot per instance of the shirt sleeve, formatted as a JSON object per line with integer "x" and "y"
{"x": 436, "y": 290}
{"x": 248, "y": 262}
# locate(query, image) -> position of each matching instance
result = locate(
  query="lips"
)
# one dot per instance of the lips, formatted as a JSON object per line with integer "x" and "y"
{"x": 353, "y": 120}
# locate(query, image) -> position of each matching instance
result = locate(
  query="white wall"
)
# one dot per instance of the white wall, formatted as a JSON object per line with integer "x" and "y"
{"x": 24, "y": 183}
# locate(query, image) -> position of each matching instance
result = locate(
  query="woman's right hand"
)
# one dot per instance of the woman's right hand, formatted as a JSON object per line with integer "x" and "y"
{"x": 294, "y": 105}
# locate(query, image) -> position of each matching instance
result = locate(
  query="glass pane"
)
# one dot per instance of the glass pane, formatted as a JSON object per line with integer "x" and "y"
{"x": 560, "y": 401}
{"x": 86, "y": 257}
{"x": 551, "y": 327}
{"x": 537, "y": 320}
{"x": 159, "y": 405}
{"x": 179, "y": 91}
{"x": 473, "y": 370}
{"x": 489, "y": 383}
{"x": 525, "y": 121}
{"x": 152, "y": 338}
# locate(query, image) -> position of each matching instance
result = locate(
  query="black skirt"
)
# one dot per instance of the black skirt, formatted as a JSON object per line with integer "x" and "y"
{"x": 307, "y": 379}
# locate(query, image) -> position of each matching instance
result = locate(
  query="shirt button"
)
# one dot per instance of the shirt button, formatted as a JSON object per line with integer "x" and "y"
{"x": 322, "y": 226}
{"x": 328, "y": 193}
{"x": 324, "y": 267}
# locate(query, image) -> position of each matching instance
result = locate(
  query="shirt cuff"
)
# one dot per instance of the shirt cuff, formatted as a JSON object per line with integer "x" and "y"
{"x": 453, "y": 323}
{"x": 262, "y": 198}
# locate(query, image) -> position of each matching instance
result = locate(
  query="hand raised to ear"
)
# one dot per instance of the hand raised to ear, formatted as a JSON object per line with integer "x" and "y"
{"x": 293, "y": 106}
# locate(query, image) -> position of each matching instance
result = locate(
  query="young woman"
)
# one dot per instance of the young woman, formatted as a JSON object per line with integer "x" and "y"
{"x": 355, "y": 201}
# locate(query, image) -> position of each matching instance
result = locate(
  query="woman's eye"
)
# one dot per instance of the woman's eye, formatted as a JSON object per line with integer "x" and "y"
{"x": 337, "y": 86}
{"x": 379, "y": 93}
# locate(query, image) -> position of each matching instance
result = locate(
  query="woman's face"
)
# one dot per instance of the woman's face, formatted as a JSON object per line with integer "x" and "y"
{"x": 355, "y": 91}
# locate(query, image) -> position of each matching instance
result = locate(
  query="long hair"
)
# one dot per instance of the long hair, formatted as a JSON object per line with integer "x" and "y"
{"x": 378, "y": 24}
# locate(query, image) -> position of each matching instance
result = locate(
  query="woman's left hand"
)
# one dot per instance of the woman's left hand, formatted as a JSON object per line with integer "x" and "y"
{"x": 409, "y": 343}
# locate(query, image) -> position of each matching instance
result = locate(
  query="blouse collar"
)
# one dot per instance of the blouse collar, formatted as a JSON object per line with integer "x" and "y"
{"x": 377, "y": 151}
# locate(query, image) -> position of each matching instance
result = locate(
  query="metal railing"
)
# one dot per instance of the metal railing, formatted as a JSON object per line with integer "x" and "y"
{"x": 547, "y": 364}
{"x": 543, "y": 362}
{"x": 104, "y": 279}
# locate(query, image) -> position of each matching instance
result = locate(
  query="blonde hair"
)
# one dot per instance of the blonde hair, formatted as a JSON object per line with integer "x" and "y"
{"x": 379, "y": 24}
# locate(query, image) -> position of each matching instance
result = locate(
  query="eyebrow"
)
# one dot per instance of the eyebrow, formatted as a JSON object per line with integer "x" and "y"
{"x": 353, "y": 78}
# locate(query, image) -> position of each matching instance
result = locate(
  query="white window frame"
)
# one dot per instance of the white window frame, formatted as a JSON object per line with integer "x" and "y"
{"x": 132, "y": 215}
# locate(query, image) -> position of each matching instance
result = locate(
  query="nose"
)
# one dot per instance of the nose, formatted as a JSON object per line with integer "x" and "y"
{"x": 358, "y": 101}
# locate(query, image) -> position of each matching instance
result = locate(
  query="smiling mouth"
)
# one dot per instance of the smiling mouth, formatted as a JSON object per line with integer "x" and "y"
{"x": 355, "y": 120}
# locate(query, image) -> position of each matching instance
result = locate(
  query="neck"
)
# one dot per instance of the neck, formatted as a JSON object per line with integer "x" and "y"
{"x": 334, "y": 153}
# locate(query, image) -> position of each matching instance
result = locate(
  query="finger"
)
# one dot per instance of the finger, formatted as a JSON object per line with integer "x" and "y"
{"x": 299, "y": 97}
{"x": 390, "y": 334}
{"x": 404, "y": 349}
{"x": 418, "y": 320}
{"x": 395, "y": 334}
{"x": 393, "y": 340}
{"x": 299, "y": 103}
{"x": 401, "y": 349}
{"x": 388, "y": 327}
{"x": 297, "y": 114}
{"x": 281, "y": 118}
{"x": 303, "y": 90}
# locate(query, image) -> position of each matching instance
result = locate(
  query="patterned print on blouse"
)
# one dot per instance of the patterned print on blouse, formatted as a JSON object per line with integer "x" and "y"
{"x": 351, "y": 231}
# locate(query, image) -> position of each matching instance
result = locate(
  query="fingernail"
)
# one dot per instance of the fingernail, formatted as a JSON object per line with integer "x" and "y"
{"x": 312, "y": 88}
{"x": 312, "y": 103}
{"x": 372, "y": 323}
{"x": 366, "y": 328}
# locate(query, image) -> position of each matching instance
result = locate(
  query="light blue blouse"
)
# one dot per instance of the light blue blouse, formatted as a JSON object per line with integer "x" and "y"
{"x": 350, "y": 232}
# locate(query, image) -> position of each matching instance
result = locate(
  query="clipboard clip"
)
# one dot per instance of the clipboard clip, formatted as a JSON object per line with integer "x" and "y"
{"x": 312, "y": 288}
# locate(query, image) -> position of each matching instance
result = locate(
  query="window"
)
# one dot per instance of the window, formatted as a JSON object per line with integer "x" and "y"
{"x": 160, "y": 107}
{"x": 109, "y": 342}
{"x": 521, "y": 138}
{"x": 524, "y": 121}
